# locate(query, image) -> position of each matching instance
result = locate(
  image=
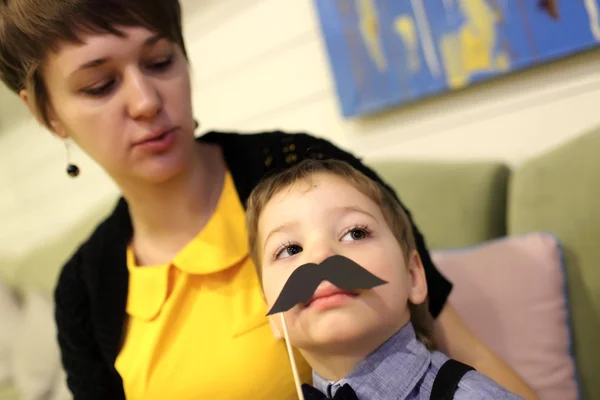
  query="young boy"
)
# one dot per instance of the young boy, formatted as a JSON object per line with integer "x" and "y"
{"x": 370, "y": 344}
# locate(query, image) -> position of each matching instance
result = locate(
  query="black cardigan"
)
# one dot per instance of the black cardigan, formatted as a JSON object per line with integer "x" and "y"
{"x": 91, "y": 294}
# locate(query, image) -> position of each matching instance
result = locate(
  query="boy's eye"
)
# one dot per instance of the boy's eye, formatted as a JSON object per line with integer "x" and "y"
{"x": 355, "y": 234}
{"x": 288, "y": 251}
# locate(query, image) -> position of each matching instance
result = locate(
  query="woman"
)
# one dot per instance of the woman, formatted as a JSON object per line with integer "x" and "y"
{"x": 162, "y": 301}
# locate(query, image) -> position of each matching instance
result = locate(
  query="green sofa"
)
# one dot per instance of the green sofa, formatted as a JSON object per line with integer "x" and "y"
{"x": 463, "y": 204}
{"x": 457, "y": 205}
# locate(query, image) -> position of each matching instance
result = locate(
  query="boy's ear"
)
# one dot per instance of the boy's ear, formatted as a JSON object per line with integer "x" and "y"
{"x": 417, "y": 285}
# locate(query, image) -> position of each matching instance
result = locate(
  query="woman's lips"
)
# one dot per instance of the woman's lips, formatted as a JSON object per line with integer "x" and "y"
{"x": 157, "y": 141}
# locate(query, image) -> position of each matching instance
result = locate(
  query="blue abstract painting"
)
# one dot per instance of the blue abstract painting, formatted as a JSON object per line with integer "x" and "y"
{"x": 384, "y": 53}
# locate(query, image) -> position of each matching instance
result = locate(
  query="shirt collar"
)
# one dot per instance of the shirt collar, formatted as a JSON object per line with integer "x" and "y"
{"x": 223, "y": 242}
{"x": 395, "y": 368}
{"x": 220, "y": 245}
{"x": 147, "y": 288}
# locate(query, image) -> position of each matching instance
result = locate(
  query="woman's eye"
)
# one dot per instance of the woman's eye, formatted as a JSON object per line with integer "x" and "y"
{"x": 288, "y": 251}
{"x": 100, "y": 89}
{"x": 161, "y": 65}
{"x": 355, "y": 234}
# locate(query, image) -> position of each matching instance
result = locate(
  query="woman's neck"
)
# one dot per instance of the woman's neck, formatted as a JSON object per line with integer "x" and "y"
{"x": 167, "y": 216}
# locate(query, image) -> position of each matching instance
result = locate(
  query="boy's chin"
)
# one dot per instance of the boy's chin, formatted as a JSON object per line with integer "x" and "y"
{"x": 336, "y": 333}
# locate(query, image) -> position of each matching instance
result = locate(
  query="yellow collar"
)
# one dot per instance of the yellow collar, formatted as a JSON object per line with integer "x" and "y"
{"x": 220, "y": 245}
{"x": 223, "y": 242}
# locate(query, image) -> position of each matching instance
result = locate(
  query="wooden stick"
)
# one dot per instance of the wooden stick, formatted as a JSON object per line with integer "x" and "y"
{"x": 292, "y": 359}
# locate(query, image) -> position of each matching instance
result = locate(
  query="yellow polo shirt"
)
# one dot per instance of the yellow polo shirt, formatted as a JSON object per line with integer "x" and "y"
{"x": 196, "y": 328}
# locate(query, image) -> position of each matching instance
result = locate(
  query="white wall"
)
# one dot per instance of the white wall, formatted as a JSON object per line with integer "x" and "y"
{"x": 260, "y": 64}
{"x": 266, "y": 68}
{"x": 38, "y": 200}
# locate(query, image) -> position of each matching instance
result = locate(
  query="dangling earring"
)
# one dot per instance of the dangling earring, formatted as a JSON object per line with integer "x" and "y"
{"x": 72, "y": 169}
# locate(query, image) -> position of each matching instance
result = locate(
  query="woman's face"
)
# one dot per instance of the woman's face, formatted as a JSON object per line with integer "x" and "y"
{"x": 126, "y": 101}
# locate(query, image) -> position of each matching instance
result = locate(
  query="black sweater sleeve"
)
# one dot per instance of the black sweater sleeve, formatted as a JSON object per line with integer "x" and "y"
{"x": 308, "y": 146}
{"x": 89, "y": 377}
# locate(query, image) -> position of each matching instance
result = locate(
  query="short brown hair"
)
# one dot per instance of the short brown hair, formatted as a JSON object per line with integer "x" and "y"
{"x": 29, "y": 29}
{"x": 394, "y": 215}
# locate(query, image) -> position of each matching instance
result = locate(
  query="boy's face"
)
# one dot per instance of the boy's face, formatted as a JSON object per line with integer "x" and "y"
{"x": 302, "y": 224}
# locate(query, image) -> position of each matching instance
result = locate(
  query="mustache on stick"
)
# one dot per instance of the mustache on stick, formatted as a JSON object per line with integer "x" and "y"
{"x": 338, "y": 270}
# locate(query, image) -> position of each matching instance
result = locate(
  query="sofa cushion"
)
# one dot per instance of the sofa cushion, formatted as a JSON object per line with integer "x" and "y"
{"x": 558, "y": 192}
{"x": 454, "y": 204}
{"x": 511, "y": 293}
{"x": 39, "y": 269}
{"x": 9, "y": 315}
{"x": 9, "y": 392}
{"x": 35, "y": 354}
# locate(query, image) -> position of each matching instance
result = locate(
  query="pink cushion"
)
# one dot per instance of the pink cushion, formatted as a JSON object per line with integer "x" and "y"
{"x": 511, "y": 293}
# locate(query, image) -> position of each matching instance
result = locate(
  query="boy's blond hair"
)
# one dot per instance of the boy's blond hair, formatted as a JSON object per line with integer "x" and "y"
{"x": 394, "y": 215}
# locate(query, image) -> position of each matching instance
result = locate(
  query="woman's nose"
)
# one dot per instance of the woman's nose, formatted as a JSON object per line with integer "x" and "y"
{"x": 143, "y": 97}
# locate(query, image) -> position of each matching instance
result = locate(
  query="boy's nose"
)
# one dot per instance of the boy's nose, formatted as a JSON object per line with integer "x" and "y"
{"x": 321, "y": 253}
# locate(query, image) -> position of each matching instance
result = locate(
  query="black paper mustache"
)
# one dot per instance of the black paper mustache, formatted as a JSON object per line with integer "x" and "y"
{"x": 338, "y": 270}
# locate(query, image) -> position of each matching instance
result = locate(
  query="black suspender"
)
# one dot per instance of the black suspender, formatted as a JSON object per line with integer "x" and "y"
{"x": 447, "y": 378}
